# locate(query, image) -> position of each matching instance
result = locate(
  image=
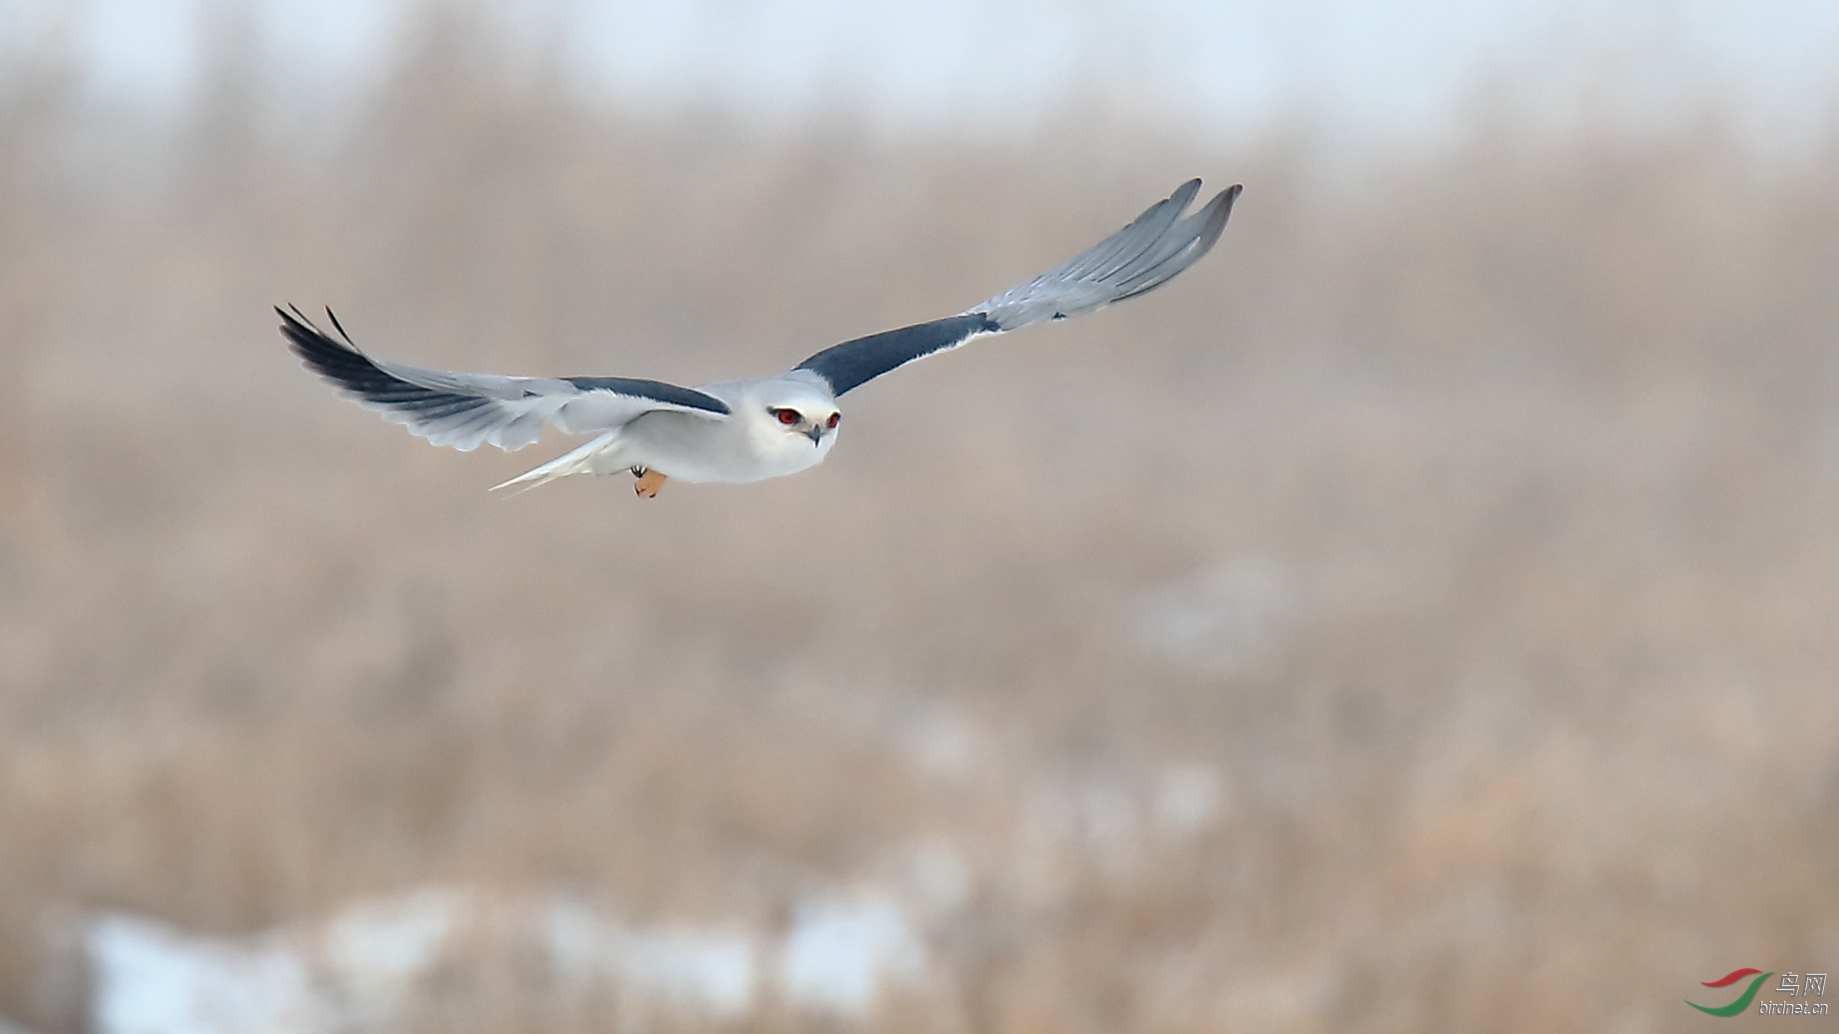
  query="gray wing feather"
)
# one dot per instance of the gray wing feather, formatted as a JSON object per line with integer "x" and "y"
{"x": 466, "y": 409}
{"x": 1148, "y": 253}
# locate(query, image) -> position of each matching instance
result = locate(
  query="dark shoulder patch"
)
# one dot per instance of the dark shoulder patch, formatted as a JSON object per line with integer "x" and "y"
{"x": 854, "y": 363}
{"x": 657, "y": 391}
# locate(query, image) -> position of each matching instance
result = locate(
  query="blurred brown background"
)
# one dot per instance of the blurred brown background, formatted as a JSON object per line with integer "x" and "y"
{"x": 1420, "y": 616}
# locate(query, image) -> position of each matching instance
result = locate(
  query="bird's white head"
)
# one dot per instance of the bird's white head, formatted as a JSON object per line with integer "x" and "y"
{"x": 793, "y": 420}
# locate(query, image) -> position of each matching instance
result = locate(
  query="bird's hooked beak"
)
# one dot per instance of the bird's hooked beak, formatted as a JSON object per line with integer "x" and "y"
{"x": 816, "y": 434}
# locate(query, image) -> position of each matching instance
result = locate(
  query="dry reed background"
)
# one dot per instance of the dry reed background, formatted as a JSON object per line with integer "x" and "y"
{"x": 1531, "y": 442}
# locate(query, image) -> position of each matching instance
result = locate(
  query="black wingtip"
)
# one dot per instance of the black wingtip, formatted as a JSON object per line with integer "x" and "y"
{"x": 294, "y": 326}
{"x": 353, "y": 372}
{"x": 313, "y": 346}
{"x": 340, "y": 327}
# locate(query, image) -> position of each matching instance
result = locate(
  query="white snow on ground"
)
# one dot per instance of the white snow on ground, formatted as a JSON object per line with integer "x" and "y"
{"x": 361, "y": 969}
{"x": 713, "y": 968}
{"x": 841, "y": 949}
{"x": 152, "y": 979}
{"x": 372, "y": 953}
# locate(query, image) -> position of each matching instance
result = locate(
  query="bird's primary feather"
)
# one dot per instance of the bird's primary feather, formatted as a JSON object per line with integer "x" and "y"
{"x": 1141, "y": 257}
{"x": 465, "y": 409}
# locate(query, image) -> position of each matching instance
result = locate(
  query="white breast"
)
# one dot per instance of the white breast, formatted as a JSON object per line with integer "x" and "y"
{"x": 747, "y": 446}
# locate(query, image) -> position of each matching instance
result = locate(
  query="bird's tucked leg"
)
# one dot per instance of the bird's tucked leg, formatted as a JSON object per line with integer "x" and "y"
{"x": 649, "y": 481}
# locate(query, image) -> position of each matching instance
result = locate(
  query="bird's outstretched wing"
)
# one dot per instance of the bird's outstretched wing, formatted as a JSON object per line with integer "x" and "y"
{"x": 1148, "y": 253}
{"x": 464, "y": 409}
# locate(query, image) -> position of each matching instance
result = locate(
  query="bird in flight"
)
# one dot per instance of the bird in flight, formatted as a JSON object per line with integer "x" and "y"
{"x": 742, "y": 430}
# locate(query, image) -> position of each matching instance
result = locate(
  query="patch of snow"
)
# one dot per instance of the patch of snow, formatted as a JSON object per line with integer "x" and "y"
{"x": 841, "y": 950}
{"x": 713, "y": 968}
{"x": 377, "y": 948}
{"x": 361, "y": 968}
{"x": 153, "y": 979}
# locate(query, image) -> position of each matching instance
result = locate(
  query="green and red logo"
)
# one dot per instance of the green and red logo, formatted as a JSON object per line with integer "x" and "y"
{"x": 1789, "y": 996}
{"x": 1743, "y": 1000}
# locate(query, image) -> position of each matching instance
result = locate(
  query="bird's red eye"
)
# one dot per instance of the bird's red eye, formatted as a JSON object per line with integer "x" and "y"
{"x": 788, "y": 417}
{"x": 832, "y": 422}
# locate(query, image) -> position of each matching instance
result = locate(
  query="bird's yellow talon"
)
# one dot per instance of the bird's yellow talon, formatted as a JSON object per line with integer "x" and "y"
{"x": 648, "y": 484}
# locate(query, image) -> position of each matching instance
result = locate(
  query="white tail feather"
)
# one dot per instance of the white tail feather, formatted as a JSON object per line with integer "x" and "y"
{"x": 588, "y": 459}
